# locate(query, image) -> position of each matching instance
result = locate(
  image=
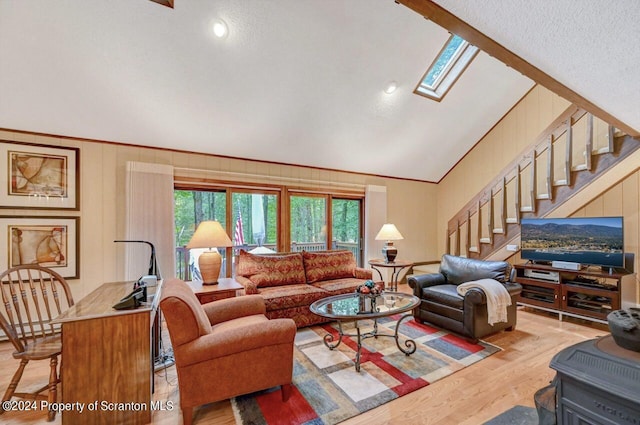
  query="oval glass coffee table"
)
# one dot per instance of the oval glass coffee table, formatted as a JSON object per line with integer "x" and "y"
{"x": 347, "y": 308}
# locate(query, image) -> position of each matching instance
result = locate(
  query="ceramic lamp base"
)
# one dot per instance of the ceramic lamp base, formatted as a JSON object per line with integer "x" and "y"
{"x": 389, "y": 252}
{"x": 210, "y": 263}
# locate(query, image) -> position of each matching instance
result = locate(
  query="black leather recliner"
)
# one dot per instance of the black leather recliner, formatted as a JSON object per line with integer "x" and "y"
{"x": 442, "y": 305}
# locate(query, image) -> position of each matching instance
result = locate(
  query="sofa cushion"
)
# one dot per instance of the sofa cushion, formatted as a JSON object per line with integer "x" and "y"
{"x": 282, "y": 297}
{"x": 339, "y": 286}
{"x": 444, "y": 295}
{"x": 327, "y": 265}
{"x": 272, "y": 269}
{"x": 301, "y": 315}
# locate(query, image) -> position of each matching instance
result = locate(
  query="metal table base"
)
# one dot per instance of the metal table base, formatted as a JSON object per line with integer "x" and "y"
{"x": 409, "y": 343}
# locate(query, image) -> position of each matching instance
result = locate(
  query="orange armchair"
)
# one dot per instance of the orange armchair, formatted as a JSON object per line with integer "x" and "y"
{"x": 225, "y": 348}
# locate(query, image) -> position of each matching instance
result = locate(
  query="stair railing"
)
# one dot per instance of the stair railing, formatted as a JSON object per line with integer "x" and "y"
{"x": 529, "y": 178}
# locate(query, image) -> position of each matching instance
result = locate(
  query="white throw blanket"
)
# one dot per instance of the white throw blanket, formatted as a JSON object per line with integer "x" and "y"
{"x": 498, "y": 298}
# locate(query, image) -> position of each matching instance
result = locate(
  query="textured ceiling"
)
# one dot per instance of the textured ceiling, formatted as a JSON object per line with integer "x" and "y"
{"x": 590, "y": 46}
{"x": 295, "y": 81}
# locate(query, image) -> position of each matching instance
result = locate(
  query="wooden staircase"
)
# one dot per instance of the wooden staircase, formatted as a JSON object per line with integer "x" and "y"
{"x": 571, "y": 153}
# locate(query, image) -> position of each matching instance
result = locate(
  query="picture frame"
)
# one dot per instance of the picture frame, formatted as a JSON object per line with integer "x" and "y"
{"x": 52, "y": 242}
{"x": 34, "y": 176}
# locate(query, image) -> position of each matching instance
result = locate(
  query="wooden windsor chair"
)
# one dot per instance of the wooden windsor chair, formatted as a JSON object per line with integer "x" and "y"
{"x": 32, "y": 296}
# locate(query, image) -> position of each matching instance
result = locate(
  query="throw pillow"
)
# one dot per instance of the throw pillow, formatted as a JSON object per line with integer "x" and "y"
{"x": 328, "y": 265}
{"x": 271, "y": 269}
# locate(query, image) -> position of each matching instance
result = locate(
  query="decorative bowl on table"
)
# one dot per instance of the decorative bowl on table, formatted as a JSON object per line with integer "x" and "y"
{"x": 369, "y": 293}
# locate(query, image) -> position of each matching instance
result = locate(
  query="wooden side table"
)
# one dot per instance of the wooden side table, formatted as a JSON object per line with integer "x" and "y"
{"x": 225, "y": 288}
{"x": 397, "y": 267}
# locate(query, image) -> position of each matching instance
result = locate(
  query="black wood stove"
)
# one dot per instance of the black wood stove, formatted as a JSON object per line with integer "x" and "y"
{"x": 598, "y": 383}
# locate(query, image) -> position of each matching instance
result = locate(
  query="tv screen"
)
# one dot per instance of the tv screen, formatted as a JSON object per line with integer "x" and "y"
{"x": 591, "y": 241}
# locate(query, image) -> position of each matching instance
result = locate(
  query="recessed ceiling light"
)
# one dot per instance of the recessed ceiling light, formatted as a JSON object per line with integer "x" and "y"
{"x": 391, "y": 87}
{"x": 220, "y": 28}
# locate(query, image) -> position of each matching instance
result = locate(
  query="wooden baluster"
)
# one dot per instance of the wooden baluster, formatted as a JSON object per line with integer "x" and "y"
{"x": 589, "y": 148}
{"x": 503, "y": 206}
{"x": 569, "y": 150}
{"x": 516, "y": 197}
{"x": 611, "y": 136}
{"x": 467, "y": 235}
{"x": 490, "y": 218}
{"x": 534, "y": 185}
{"x": 478, "y": 227}
{"x": 499, "y": 196}
{"x": 549, "y": 179}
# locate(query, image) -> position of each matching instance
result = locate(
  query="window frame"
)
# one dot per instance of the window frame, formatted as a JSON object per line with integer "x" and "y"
{"x": 283, "y": 207}
{"x": 454, "y": 68}
{"x": 329, "y": 196}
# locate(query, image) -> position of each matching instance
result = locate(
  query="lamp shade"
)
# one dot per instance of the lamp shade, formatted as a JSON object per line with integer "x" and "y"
{"x": 389, "y": 232}
{"x": 209, "y": 234}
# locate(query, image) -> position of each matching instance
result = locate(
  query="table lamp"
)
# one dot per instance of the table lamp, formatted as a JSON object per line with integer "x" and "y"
{"x": 209, "y": 234}
{"x": 389, "y": 233}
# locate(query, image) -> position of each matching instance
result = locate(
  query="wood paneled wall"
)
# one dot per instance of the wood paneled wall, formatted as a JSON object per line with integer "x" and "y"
{"x": 510, "y": 136}
{"x": 419, "y": 210}
{"x": 410, "y": 205}
{"x": 617, "y": 195}
{"x": 622, "y": 199}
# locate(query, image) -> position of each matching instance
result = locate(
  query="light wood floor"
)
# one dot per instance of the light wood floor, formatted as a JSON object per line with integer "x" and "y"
{"x": 468, "y": 397}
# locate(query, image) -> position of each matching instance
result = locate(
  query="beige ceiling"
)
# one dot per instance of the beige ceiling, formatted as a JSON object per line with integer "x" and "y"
{"x": 295, "y": 81}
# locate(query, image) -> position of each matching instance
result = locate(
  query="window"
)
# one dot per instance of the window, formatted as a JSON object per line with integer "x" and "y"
{"x": 346, "y": 225}
{"x": 255, "y": 215}
{"x": 190, "y": 208}
{"x": 319, "y": 222}
{"x": 254, "y": 220}
{"x": 308, "y": 219}
{"x": 452, "y": 60}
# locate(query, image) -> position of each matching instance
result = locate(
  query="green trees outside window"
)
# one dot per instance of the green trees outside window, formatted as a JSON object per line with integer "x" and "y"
{"x": 252, "y": 220}
{"x": 308, "y": 223}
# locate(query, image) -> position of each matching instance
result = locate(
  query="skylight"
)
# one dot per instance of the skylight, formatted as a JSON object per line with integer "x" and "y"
{"x": 452, "y": 60}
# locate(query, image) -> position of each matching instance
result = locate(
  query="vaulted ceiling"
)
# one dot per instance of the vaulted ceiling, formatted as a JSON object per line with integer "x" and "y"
{"x": 299, "y": 81}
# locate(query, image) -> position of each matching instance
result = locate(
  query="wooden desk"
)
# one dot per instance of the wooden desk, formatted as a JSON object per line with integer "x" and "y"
{"x": 107, "y": 357}
{"x": 225, "y": 288}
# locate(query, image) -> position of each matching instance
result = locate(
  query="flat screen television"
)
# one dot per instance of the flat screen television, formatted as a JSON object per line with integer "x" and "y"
{"x": 597, "y": 241}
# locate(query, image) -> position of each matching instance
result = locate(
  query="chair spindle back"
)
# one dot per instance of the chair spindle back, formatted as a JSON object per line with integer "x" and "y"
{"x": 32, "y": 296}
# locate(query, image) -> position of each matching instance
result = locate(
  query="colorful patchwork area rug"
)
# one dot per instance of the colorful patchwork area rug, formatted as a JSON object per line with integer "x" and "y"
{"x": 327, "y": 388}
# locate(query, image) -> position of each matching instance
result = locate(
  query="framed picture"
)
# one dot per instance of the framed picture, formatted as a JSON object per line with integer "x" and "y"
{"x": 39, "y": 176}
{"x": 52, "y": 242}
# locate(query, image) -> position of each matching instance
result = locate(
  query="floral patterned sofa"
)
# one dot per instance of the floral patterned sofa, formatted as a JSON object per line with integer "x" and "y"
{"x": 291, "y": 282}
